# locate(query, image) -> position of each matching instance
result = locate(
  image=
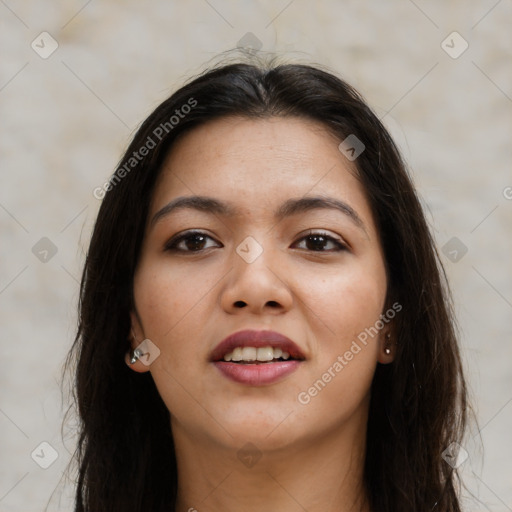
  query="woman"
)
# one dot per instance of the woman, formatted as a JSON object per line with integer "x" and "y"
{"x": 264, "y": 320}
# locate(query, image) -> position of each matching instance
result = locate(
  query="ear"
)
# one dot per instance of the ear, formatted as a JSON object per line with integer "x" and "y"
{"x": 387, "y": 344}
{"x": 136, "y": 338}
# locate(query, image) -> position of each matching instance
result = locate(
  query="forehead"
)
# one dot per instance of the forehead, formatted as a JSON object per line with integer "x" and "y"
{"x": 237, "y": 146}
{"x": 259, "y": 163}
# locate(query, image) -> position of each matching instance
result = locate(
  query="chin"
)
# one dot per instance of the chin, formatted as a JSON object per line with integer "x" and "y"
{"x": 267, "y": 427}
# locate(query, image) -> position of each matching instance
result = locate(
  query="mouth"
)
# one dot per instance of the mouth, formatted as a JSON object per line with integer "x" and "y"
{"x": 257, "y": 358}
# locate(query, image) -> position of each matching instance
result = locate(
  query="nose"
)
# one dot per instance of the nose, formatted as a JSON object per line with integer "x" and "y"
{"x": 259, "y": 286}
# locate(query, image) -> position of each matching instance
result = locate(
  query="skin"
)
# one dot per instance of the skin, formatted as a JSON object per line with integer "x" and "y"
{"x": 312, "y": 455}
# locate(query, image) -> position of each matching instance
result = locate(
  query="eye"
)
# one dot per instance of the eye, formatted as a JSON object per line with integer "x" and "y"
{"x": 196, "y": 241}
{"x": 316, "y": 241}
{"x": 193, "y": 241}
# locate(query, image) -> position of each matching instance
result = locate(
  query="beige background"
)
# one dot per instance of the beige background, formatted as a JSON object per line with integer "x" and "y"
{"x": 66, "y": 120}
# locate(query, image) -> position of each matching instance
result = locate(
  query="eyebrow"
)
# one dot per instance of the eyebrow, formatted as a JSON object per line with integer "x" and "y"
{"x": 287, "y": 209}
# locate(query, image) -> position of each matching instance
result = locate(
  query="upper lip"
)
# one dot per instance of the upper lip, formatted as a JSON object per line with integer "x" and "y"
{"x": 252, "y": 338}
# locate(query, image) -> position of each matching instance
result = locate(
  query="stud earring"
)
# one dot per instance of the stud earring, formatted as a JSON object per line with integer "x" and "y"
{"x": 136, "y": 355}
{"x": 387, "y": 349}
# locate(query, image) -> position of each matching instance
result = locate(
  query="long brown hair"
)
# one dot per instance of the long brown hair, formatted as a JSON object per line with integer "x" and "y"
{"x": 125, "y": 452}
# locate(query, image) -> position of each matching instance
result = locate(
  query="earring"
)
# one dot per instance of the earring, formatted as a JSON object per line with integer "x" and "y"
{"x": 136, "y": 355}
{"x": 387, "y": 349}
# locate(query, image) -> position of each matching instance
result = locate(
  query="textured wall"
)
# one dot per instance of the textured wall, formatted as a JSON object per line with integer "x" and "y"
{"x": 68, "y": 115}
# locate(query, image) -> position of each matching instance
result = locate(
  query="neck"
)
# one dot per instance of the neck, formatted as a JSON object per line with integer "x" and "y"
{"x": 325, "y": 475}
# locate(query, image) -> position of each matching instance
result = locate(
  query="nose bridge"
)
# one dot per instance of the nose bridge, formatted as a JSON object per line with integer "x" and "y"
{"x": 250, "y": 250}
{"x": 254, "y": 261}
{"x": 254, "y": 281}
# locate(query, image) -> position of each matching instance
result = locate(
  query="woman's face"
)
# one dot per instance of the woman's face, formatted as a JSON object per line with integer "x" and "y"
{"x": 313, "y": 273}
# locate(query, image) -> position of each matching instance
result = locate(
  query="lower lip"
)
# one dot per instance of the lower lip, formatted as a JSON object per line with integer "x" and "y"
{"x": 257, "y": 374}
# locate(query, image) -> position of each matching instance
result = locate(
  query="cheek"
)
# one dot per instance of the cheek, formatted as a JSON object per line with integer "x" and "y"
{"x": 347, "y": 306}
{"x": 166, "y": 298}
{"x": 169, "y": 305}
{"x": 338, "y": 383}
{"x": 348, "y": 301}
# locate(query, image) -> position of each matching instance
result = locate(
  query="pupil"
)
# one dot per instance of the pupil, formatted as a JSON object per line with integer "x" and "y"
{"x": 192, "y": 242}
{"x": 316, "y": 239}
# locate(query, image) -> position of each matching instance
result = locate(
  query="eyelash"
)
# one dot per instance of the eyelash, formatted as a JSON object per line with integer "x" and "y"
{"x": 171, "y": 245}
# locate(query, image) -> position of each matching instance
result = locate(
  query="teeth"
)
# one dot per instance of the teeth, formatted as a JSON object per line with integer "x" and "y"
{"x": 236, "y": 355}
{"x": 249, "y": 354}
{"x": 265, "y": 354}
{"x": 262, "y": 354}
